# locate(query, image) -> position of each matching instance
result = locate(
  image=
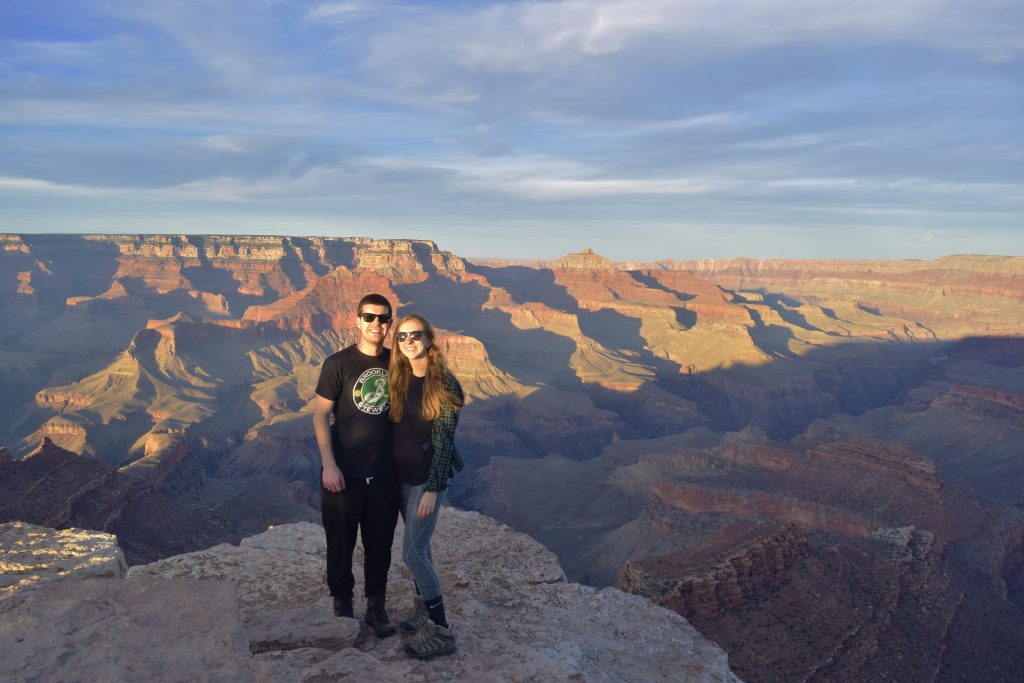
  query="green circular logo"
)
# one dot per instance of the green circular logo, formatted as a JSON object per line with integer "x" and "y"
{"x": 370, "y": 393}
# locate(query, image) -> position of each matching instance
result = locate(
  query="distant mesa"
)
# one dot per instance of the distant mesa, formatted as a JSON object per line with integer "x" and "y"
{"x": 583, "y": 260}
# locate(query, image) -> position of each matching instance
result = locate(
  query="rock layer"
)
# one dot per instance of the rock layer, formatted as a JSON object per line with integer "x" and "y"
{"x": 734, "y": 578}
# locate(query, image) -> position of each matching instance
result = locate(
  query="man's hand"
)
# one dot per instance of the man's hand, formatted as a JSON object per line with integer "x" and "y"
{"x": 427, "y": 501}
{"x": 332, "y": 479}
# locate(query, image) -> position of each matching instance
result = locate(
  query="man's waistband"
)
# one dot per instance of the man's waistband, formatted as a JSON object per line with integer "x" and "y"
{"x": 385, "y": 475}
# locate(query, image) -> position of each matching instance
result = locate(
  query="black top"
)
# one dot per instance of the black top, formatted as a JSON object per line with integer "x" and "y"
{"x": 358, "y": 385}
{"x": 413, "y": 449}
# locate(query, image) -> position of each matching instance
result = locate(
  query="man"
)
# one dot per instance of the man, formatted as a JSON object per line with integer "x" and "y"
{"x": 358, "y": 487}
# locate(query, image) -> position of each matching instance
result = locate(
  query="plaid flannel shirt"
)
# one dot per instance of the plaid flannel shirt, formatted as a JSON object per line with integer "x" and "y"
{"x": 446, "y": 461}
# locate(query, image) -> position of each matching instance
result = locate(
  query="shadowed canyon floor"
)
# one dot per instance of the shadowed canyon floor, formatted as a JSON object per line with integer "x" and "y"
{"x": 819, "y": 463}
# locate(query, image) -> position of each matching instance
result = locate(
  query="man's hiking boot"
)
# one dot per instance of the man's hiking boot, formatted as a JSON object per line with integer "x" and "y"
{"x": 343, "y": 608}
{"x": 377, "y": 617}
{"x": 418, "y": 619}
{"x": 436, "y": 641}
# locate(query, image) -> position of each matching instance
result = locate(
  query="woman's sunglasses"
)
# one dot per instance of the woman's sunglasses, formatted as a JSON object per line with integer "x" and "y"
{"x": 415, "y": 336}
{"x": 384, "y": 318}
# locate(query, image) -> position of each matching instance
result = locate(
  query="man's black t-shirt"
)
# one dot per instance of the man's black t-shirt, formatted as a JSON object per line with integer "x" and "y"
{"x": 413, "y": 447}
{"x": 358, "y": 385}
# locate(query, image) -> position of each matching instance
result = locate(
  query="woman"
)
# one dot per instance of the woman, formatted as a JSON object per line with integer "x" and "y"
{"x": 425, "y": 403}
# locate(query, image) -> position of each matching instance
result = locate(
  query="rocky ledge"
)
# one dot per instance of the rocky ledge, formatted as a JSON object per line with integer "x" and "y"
{"x": 259, "y": 611}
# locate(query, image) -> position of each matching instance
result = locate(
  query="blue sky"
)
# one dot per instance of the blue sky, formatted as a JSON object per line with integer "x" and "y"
{"x": 645, "y": 129}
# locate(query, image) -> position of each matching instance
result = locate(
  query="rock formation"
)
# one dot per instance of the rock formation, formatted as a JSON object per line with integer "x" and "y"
{"x": 55, "y": 488}
{"x": 757, "y": 561}
{"x": 34, "y": 558}
{"x": 584, "y": 260}
{"x": 259, "y": 611}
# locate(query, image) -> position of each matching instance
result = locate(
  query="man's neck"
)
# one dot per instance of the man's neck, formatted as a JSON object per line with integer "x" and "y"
{"x": 369, "y": 349}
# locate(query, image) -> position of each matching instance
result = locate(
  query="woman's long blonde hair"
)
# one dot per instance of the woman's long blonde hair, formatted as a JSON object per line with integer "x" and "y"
{"x": 400, "y": 369}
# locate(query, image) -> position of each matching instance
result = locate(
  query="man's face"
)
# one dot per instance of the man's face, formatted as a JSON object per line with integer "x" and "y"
{"x": 375, "y": 331}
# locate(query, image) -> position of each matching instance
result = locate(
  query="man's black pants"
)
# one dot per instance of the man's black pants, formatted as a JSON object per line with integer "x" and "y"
{"x": 371, "y": 508}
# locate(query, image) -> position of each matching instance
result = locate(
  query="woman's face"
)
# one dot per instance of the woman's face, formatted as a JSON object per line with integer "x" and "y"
{"x": 412, "y": 341}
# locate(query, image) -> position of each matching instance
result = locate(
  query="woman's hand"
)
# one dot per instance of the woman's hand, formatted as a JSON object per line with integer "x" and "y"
{"x": 427, "y": 501}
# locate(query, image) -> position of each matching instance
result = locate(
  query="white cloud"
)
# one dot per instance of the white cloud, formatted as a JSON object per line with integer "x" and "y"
{"x": 546, "y": 37}
{"x": 36, "y": 185}
{"x": 223, "y": 143}
{"x": 345, "y": 10}
{"x": 514, "y": 105}
{"x": 58, "y": 52}
{"x": 703, "y": 121}
{"x": 568, "y": 188}
{"x": 333, "y": 9}
{"x": 317, "y": 182}
{"x": 227, "y": 40}
{"x": 786, "y": 142}
{"x": 544, "y": 178}
{"x": 132, "y": 110}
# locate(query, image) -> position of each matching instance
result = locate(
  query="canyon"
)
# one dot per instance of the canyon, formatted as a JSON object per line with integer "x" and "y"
{"x": 817, "y": 463}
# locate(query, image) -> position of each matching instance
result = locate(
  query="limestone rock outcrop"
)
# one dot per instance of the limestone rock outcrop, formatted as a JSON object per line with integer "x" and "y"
{"x": 200, "y": 615}
{"x": 33, "y": 558}
{"x": 145, "y": 628}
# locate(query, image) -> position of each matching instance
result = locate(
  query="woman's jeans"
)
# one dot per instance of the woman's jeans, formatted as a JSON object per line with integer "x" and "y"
{"x": 416, "y": 546}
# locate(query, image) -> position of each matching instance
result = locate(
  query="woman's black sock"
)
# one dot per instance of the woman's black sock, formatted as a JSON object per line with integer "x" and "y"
{"x": 435, "y": 608}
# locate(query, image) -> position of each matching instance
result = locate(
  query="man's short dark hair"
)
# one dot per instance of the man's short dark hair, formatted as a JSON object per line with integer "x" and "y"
{"x": 374, "y": 300}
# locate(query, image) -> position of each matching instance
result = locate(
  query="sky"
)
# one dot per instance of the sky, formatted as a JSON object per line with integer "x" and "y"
{"x": 645, "y": 129}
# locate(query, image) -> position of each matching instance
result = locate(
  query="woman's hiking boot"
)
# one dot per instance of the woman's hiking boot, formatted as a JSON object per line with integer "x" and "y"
{"x": 377, "y": 617}
{"x": 436, "y": 641}
{"x": 418, "y": 619}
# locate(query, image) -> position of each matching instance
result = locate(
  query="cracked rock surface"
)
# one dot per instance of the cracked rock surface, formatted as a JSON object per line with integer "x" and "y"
{"x": 34, "y": 556}
{"x": 262, "y": 607}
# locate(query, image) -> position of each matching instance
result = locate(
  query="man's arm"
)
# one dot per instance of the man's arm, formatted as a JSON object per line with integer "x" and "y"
{"x": 332, "y": 479}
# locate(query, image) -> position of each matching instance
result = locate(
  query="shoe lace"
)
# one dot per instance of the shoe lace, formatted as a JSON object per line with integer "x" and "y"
{"x": 431, "y": 639}
{"x": 417, "y": 616}
{"x": 425, "y": 634}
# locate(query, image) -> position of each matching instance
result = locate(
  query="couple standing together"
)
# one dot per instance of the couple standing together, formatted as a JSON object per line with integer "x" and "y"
{"x": 389, "y": 451}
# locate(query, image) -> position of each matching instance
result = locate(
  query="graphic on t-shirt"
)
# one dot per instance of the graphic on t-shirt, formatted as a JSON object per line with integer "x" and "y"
{"x": 370, "y": 393}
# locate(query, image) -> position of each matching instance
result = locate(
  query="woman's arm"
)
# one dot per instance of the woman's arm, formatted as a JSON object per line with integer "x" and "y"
{"x": 443, "y": 439}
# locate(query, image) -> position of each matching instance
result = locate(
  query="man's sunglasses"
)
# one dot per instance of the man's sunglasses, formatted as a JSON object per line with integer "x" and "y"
{"x": 415, "y": 336}
{"x": 384, "y": 318}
